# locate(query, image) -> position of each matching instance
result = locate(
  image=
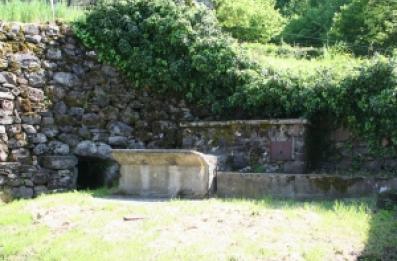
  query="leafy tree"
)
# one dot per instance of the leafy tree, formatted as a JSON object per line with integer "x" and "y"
{"x": 250, "y": 20}
{"x": 310, "y": 21}
{"x": 367, "y": 23}
{"x": 289, "y": 8}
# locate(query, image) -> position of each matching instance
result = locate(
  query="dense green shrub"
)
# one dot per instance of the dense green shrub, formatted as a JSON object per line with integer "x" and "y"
{"x": 371, "y": 100}
{"x": 176, "y": 48}
{"x": 166, "y": 46}
{"x": 250, "y": 20}
{"x": 294, "y": 7}
{"x": 310, "y": 21}
{"x": 367, "y": 23}
{"x": 365, "y": 101}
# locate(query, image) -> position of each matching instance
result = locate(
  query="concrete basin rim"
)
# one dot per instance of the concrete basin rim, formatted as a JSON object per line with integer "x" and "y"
{"x": 208, "y": 159}
{"x": 160, "y": 151}
{"x": 293, "y": 121}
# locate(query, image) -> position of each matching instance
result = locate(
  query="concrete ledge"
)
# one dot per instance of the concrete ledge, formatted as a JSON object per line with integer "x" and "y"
{"x": 199, "y": 124}
{"x": 247, "y": 185}
{"x": 166, "y": 173}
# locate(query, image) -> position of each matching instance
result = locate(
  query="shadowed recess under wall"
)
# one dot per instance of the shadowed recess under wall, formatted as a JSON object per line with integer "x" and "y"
{"x": 95, "y": 172}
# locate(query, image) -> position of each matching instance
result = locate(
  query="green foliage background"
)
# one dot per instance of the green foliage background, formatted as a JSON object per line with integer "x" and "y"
{"x": 364, "y": 26}
{"x": 365, "y": 23}
{"x": 181, "y": 49}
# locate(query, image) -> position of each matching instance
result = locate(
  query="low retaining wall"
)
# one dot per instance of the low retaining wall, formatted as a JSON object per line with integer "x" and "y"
{"x": 274, "y": 146}
{"x": 165, "y": 173}
{"x": 249, "y": 185}
{"x": 347, "y": 153}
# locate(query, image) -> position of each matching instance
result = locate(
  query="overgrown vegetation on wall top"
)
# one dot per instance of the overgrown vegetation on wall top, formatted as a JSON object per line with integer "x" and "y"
{"x": 181, "y": 48}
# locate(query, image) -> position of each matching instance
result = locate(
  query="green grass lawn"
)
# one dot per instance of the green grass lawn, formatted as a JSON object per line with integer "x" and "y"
{"x": 80, "y": 226}
{"x": 37, "y": 11}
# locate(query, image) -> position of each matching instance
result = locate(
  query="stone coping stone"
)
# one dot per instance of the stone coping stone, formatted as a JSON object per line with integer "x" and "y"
{"x": 165, "y": 173}
{"x": 161, "y": 156}
{"x": 299, "y": 186}
{"x": 206, "y": 124}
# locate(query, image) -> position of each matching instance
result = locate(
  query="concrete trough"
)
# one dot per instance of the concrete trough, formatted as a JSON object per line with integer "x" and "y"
{"x": 304, "y": 186}
{"x": 166, "y": 173}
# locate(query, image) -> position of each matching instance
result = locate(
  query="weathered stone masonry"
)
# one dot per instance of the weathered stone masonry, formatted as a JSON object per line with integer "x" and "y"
{"x": 57, "y": 103}
{"x": 267, "y": 146}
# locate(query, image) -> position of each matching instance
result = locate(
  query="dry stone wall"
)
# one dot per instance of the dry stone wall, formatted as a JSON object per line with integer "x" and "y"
{"x": 58, "y": 103}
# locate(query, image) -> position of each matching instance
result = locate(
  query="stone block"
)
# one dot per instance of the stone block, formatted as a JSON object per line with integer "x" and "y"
{"x": 35, "y": 95}
{"x": 22, "y": 192}
{"x": 38, "y": 138}
{"x": 7, "y": 96}
{"x": 40, "y": 149}
{"x": 27, "y": 61}
{"x": 9, "y": 77}
{"x": 39, "y": 190}
{"x": 35, "y": 39}
{"x": 31, "y": 29}
{"x": 91, "y": 149}
{"x": 120, "y": 129}
{"x": 91, "y": 120}
{"x": 7, "y": 106}
{"x": 40, "y": 178}
{"x": 37, "y": 78}
{"x": 31, "y": 119}
{"x": 29, "y": 129}
{"x": 57, "y": 147}
{"x": 66, "y": 79}
{"x": 58, "y": 162}
{"x": 118, "y": 141}
{"x": 6, "y": 120}
{"x": 54, "y": 54}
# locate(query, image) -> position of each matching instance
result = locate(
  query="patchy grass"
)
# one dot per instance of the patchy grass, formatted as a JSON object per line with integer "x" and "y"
{"x": 300, "y": 62}
{"x": 78, "y": 226}
{"x": 37, "y": 11}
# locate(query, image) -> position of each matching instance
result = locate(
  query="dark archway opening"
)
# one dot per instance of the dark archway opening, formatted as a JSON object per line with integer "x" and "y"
{"x": 95, "y": 172}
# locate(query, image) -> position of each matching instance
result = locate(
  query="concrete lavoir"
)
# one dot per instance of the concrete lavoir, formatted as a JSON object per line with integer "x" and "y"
{"x": 186, "y": 173}
{"x": 165, "y": 173}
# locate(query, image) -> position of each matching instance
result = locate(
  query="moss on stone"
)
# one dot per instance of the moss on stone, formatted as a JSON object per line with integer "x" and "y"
{"x": 339, "y": 184}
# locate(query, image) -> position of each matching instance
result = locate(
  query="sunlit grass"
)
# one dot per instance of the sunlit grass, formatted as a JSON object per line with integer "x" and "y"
{"x": 81, "y": 226}
{"x": 296, "y": 61}
{"x": 37, "y": 11}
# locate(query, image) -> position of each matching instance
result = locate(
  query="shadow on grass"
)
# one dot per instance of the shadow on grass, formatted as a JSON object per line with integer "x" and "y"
{"x": 382, "y": 237}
